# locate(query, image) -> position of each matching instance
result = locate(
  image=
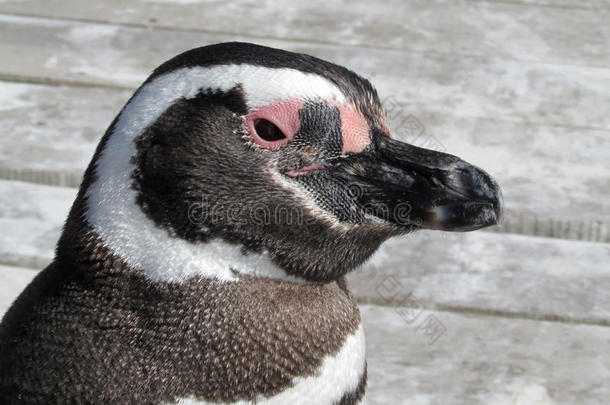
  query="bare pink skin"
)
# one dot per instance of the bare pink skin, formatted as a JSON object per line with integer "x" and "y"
{"x": 314, "y": 167}
{"x": 354, "y": 130}
{"x": 285, "y": 115}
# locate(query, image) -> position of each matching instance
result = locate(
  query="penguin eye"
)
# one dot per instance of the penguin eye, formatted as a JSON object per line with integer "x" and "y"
{"x": 274, "y": 125}
{"x": 268, "y": 131}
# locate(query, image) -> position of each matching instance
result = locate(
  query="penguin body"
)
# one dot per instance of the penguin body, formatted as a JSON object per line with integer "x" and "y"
{"x": 203, "y": 260}
{"x": 114, "y": 337}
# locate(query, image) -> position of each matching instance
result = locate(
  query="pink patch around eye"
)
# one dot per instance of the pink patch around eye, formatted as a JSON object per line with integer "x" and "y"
{"x": 354, "y": 130}
{"x": 284, "y": 115}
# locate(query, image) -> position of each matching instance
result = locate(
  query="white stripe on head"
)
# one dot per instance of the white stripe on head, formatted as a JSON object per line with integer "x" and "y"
{"x": 338, "y": 375}
{"x": 112, "y": 210}
{"x": 263, "y": 86}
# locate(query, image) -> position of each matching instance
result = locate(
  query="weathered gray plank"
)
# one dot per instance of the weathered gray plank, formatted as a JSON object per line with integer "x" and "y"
{"x": 51, "y": 132}
{"x": 513, "y": 31}
{"x": 516, "y": 275}
{"x": 483, "y": 360}
{"x": 483, "y": 272}
{"x": 12, "y": 281}
{"x": 31, "y": 220}
{"x": 573, "y": 96}
{"x": 569, "y": 4}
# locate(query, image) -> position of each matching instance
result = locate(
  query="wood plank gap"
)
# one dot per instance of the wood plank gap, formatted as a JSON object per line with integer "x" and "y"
{"x": 543, "y": 5}
{"x": 49, "y": 81}
{"x": 496, "y": 313}
{"x": 23, "y": 261}
{"x": 47, "y": 177}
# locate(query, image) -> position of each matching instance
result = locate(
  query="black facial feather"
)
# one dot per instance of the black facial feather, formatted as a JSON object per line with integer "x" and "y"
{"x": 320, "y": 127}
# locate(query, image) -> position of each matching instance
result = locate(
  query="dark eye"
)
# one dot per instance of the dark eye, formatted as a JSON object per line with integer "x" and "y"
{"x": 267, "y": 131}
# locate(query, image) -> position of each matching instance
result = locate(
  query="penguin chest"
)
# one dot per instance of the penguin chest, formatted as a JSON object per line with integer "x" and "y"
{"x": 278, "y": 343}
{"x": 340, "y": 379}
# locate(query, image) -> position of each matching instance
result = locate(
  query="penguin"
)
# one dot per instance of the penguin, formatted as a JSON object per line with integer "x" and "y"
{"x": 204, "y": 258}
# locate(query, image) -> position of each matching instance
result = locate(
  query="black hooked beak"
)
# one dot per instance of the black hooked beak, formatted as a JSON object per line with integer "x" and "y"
{"x": 420, "y": 188}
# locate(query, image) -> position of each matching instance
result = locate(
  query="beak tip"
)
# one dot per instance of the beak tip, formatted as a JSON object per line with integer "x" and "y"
{"x": 499, "y": 206}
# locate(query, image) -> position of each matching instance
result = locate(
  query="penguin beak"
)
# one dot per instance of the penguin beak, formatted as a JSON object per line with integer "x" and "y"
{"x": 414, "y": 187}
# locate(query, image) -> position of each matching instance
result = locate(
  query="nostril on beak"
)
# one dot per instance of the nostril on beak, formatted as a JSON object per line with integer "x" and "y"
{"x": 465, "y": 180}
{"x": 473, "y": 181}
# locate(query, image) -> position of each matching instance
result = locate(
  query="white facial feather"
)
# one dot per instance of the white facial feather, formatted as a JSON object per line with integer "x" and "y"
{"x": 112, "y": 210}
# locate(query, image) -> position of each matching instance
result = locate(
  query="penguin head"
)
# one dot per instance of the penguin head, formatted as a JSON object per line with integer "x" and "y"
{"x": 273, "y": 153}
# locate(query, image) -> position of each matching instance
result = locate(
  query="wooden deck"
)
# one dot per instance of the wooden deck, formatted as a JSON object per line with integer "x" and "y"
{"x": 519, "y": 314}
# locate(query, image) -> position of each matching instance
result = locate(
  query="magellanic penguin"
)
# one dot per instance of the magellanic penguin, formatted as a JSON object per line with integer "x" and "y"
{"x": 203, "y": 260}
